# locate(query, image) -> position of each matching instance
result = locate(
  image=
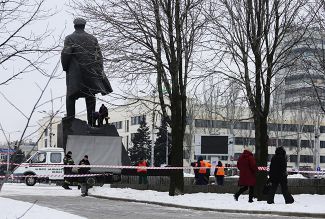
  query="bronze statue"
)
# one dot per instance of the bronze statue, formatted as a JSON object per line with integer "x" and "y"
{"x": 82, "y": 61}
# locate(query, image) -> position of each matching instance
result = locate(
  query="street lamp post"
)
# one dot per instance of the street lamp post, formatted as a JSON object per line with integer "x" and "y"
{"x": 166, "y": 146}
{"x": 152, "y": 131}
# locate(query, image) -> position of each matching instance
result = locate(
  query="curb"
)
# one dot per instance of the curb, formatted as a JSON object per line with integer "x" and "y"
{"x": 280, "y": 213}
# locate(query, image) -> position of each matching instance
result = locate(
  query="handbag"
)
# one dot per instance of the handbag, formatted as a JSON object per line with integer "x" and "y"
{"x": 267, "y": 187}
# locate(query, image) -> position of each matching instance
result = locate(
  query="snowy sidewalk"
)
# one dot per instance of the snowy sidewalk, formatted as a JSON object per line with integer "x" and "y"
{"x": 304, "y": 205}
{"x": 11, "y": 209}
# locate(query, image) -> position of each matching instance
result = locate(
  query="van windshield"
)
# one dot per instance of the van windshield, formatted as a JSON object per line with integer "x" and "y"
{"x": 39, "y": 157}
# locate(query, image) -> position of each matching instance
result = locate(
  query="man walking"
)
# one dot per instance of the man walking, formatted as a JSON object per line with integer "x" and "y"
{"x": 142, "y": 171}
{"x": 67, "y": 160}
{"x": 83, "y": 180}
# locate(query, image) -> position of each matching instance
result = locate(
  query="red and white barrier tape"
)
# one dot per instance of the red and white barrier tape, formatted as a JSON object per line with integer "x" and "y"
{"x": 53, "y": 175}
{"x": 152, "y": 168}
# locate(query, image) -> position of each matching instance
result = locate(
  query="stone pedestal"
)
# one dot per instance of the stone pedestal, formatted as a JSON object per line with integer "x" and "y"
{"x": 73, "y": 126}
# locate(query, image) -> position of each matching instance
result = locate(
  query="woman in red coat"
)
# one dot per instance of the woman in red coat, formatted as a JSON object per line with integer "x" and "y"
{"x": 247, "y": 175}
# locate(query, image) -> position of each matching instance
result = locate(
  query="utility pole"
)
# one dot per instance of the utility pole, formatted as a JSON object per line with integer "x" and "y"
{"x": 152, "y": 131}
{"x": 166, "y": 145}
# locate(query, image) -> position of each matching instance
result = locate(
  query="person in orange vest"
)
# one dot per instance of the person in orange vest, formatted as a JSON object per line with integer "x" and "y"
{"x": 203, "y": 173}
{"x": 142, "y": 172}
{"x": 219, "y": 173}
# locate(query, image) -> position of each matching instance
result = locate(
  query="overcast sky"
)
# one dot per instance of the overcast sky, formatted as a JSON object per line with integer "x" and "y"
{"x": 25, "y": 91}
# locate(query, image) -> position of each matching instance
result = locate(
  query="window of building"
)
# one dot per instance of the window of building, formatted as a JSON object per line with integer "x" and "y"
{"x": 306, "y": 143}
{"x": 293, "y": 158}
{"x": 322, "y": 159}
{"x": 322, "y": 144}
{"x": 135, "y": 120}
{"x": 46, "y": 133}
{"x": 127, "y": 142}
{"x": 306, "y": 158}
{"x": 132, "y": 136}
{"x": 118, "y": 125}
{"x": 244, "y": 141}
{"x": 55, "y": 157}
{"x": 45, "y": 143}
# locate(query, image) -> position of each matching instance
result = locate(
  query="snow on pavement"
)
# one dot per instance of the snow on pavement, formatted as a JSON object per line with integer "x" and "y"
{"x": 11, "y": 209}
{"x": 304, "y": 203}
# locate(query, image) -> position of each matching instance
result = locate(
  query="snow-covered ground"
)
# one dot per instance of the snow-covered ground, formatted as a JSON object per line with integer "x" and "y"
{"x": 304, "y": 203}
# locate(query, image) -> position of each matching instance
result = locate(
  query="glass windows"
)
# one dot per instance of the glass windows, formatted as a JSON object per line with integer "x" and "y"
{"x": 135, "y": 120}
{"x": 39, "y": 158}
{"x": 118, "y": 125}
{"x": 55, "y": 157}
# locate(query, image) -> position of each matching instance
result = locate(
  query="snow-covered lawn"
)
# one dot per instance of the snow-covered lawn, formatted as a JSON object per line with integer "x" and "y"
{"x": 304, "y": 203}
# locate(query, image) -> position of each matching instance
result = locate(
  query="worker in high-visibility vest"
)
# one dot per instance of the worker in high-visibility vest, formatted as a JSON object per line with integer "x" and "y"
{"x": 142, "y": 171}
{"x": 219, "y": 173}
{"x": 204, "y": 171}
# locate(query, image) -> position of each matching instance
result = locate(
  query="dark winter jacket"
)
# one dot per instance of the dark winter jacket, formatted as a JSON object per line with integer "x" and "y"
{"x": 84, "y": 170}
{"x": 83, "y": 62}
{"x": 67, "y": 160}
{"x": 247, "y": 167}
{"x": 278, "y": 167}
{"x": 103, "y": 112}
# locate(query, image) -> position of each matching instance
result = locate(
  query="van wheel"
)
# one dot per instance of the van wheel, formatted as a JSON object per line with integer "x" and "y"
{"x": 30, "y": 181}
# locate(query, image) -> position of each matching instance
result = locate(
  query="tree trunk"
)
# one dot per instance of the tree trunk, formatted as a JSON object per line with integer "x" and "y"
{"x": 261, "y": 154}
{"x": 176, "y": 177}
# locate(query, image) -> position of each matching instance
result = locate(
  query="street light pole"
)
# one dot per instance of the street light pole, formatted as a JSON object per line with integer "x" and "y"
{"x": 152, "y": 132}
{"x": 166, "y": 146}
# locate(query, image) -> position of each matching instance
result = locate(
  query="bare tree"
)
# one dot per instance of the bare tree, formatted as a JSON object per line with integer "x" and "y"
{"x": 152, "y": 42}
{"x": 255, "y": 38}
{"x": 29, "y": 118}
{"x": 19, "y": 42}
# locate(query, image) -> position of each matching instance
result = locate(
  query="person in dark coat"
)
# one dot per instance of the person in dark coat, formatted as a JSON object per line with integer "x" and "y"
{"x": 82, "y": 61}
{"x": 67, "y": 160}
{"x": 83, "y": 180}
{"x": 247, "y": 173}
{"x": 103, "y": 114}
{"x": 278, "y": 175}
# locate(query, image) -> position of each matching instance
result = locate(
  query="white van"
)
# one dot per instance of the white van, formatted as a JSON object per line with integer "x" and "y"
{"x": 101, "y": 150}
{"x": 46, "y": 156}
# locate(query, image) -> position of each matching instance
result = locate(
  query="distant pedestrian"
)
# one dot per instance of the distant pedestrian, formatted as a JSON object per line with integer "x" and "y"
{"x": 142, "y": 171}
{"x": 247, "y": 173}
{"x": 67, "y": 160}
{"x": 103, "y": 114}
{"x": 83, "y": 180}
{"x": 219, "y": 173}
{"x": 204, "y": 171}
{"x": 278, "y": 175}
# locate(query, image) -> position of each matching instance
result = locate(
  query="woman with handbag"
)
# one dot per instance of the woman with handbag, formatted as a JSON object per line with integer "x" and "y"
{"x": 278, "y": 175}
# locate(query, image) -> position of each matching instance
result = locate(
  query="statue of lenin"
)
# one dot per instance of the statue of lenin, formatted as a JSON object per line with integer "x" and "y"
{"x": 82, "y": 61}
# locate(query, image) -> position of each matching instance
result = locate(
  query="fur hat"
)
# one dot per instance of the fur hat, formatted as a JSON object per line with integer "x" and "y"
{"x": 249, "y": 148}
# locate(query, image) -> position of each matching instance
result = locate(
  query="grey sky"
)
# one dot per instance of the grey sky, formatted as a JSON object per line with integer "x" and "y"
{"x": 24, "y": 91}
